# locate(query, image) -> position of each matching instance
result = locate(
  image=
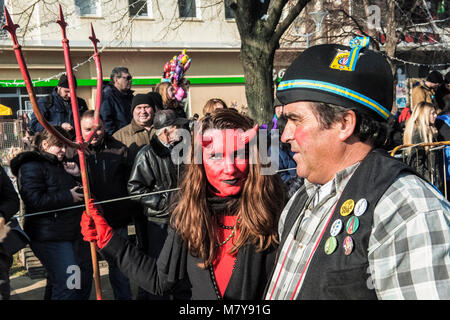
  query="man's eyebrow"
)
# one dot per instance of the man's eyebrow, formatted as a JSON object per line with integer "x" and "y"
{"x": 292, "y": 116}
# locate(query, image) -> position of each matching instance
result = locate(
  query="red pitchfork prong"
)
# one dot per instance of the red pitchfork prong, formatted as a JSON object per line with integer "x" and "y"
{"x": 79, "y": 137}
{"x": 11, "y": 28}
{"x": 98, "y": 100}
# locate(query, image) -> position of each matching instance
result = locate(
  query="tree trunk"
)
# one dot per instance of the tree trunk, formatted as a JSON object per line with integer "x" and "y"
{"x": 257, "y": 63}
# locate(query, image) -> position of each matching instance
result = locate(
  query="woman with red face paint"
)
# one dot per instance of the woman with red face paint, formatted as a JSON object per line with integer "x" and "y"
{"x": 223, "y": 235}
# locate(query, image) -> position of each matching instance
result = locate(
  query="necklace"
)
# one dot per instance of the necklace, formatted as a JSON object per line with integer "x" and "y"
{"x": 229, "y": 228}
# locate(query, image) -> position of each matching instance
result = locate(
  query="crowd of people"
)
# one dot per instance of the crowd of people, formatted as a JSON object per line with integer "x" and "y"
{"x": 339, "y": 214}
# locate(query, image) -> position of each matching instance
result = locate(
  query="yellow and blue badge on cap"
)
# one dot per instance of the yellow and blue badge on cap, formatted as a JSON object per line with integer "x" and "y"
{"x": 346, "y": 60}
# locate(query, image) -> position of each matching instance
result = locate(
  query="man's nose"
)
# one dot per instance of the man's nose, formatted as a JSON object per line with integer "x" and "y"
{"x": 287, "y": 134}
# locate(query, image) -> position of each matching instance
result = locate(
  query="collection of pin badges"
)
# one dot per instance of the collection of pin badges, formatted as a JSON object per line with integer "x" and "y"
{"x": 351, "y": 226}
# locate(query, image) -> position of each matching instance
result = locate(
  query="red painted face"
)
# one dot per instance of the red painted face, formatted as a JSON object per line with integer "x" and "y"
{"x": 225, "y": 161}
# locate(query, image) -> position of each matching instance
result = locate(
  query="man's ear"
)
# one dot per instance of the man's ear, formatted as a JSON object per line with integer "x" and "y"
{"x": 347, "y": 125}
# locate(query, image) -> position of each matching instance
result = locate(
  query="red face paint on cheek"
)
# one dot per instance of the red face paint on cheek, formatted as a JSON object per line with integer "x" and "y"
{"x": 300, "y": 135}
{"x": 225, "y": 171}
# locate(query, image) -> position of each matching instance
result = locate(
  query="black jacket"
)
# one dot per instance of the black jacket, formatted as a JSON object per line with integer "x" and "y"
{"x": 45, "y": 185}
{"x": 153, "y": 170}
{"x": 9, "y": 201}
{"x": 115, "y": 108}
{"x": 176, "y": 266}
{"x": 56, "y": 111}
{"x": 108, "y": 173}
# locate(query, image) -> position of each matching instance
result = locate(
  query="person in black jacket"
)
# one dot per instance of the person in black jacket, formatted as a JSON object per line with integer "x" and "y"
{"x": 108, "y": 171}
{"x": 117, "y": 97}
{"x": 9, "y": 205}
{"x": 154, "y": 170}
{"x": 57, "y": 108}
{"x": 222, "y": 236}
{"x": 56, "y": 241}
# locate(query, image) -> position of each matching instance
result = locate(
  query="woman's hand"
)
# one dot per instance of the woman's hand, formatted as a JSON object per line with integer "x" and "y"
{"x": 77, "y": 197}
{"x": 72, "y": 168}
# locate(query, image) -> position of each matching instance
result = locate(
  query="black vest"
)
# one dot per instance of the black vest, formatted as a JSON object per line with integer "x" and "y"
{"x": 340, "y": 276}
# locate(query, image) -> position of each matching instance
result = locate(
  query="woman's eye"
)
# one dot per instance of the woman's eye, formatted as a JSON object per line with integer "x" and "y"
{"x": 216, "y": 157}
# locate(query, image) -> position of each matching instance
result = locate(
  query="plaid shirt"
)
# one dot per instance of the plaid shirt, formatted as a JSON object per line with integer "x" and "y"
{"x": 408, "y": 248}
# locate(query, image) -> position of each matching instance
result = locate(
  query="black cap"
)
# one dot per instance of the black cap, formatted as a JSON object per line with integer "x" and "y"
{"x": 64, "y": 82}
{"x": 447, "y": 77}
{"x": 321, "y": 74}
{"x": 142, "y": 99}
{"x": 435, "y": 77}
{"x": 166, "y": 118}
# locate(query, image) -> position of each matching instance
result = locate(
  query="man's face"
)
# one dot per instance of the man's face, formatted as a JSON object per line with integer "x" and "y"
{"x": 143, "y": 114}
{"x": 225, "y": 161}
{"x": 87, "y": 126}
{"x": 312, "y": 145}
{"x": 64, "y": 93}
{"x": 172, "y": 135}
{"x": 123, "y": 83}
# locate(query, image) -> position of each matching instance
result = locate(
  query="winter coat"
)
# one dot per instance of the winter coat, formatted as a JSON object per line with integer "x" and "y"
{"x": 427, "y": 163}
{"x": 422, "y": 93}
{"x": 9, "y": 201}
{"x": 153, "y": 170}
{"x": 443, "y": 125}
{"x": 45, "y": 185}
{"x": 176, "y": 266}
{"x": 56, "y": 111}
{"x": 115, "y": 108}
{"x": 108, "y": 172}
{"x": 134, "y": 137}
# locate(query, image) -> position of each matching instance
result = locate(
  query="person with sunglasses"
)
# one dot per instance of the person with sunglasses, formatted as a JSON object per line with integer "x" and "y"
{"x": 117, "y": 97}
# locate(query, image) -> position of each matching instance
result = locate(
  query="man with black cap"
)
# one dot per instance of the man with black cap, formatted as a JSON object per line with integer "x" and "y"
{"x": 426, "y": 90}
{"x": 364, "y": 225}
{"x": 139, "y": 132}
{"x": 154, "y": 170}
{"x": 57, "y": 108}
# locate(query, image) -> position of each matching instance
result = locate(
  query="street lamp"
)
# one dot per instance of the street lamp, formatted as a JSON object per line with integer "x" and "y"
{"x": 317, "y": 17}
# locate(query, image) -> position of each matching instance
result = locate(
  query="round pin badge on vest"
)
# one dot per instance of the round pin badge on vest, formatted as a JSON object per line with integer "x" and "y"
{"x": 348, "y": 245}
{"x": 352, "y": 225}
{"x": 347, "y": 207}
{"x": 330, "y": 245}
{"x": 336, "y": 227}
{"x": 360, "y": 207}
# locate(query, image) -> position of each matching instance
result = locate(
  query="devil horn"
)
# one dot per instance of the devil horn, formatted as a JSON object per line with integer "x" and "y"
{"x": 249, "y": 134}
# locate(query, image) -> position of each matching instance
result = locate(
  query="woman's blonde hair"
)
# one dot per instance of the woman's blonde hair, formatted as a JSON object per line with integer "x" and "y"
{"x": 161, "y": 88}
{"x": 209, "y": 105}
{"x": 420, "y": 122}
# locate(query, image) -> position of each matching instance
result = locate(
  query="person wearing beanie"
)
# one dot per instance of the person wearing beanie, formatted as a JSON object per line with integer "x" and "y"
{"x": 426, "y": 89}
{"x": 57, "y": 108}
{"x": 443, "y": 92}
{"x": 364, "y": 225}
{"x": 140, "y": 130}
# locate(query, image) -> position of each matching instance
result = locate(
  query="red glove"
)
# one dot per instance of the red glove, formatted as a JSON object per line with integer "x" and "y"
{"x": 95, "y": 228}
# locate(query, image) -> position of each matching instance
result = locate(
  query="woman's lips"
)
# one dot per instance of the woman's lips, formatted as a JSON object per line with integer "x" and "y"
{"x": 230, "y": 181}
